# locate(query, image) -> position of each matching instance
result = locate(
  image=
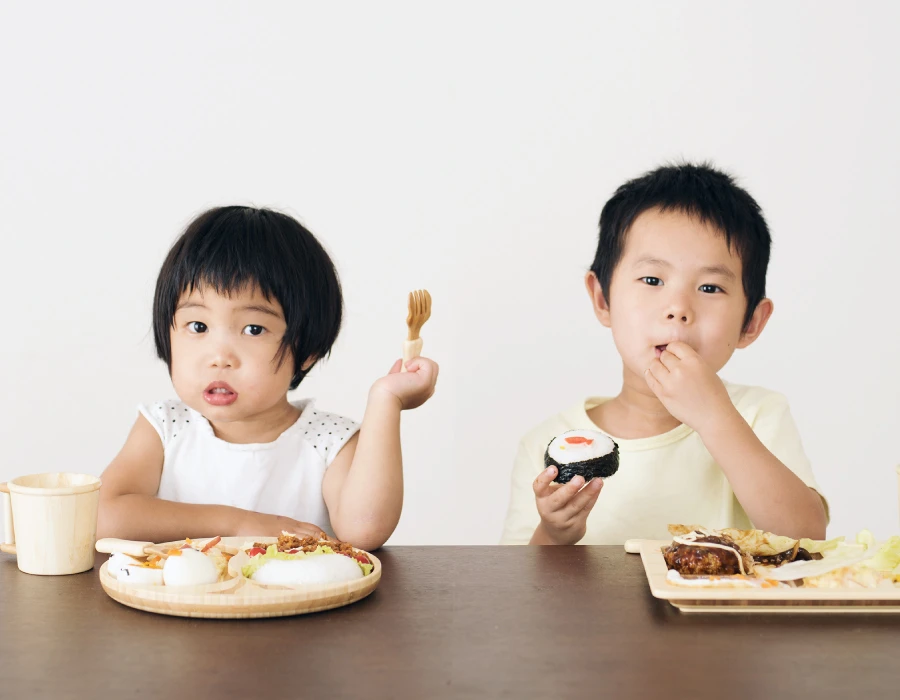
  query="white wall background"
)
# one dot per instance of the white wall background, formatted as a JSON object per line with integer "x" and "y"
{"x": 468, "y": 148}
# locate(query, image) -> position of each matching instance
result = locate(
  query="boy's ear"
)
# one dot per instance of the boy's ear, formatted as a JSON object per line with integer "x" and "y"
{"x": 601, "y": 307}
{"x": 758, "y": 321}
{"x": 310, "y": 361}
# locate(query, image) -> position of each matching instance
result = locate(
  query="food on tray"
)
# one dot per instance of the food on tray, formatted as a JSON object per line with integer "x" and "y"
{"x": 293, "y": 561}
{"x": 587, "y": 453}
{"x": 186, "y": 565}
{"x": 702, "y": 553}
{"x": 699, "y": 557}
{"x": 738, "y": 581}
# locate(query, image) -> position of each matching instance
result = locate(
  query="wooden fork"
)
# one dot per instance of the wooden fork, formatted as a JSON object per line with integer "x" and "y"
{"x": 419, "y": 312}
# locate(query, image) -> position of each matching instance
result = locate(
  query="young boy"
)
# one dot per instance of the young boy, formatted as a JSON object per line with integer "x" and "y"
{"x": 679, "y": 277}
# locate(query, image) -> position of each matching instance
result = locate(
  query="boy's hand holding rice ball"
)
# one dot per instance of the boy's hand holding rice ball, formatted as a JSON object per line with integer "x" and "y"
{"x": 563, "y": 499}
{"x": 564, "y": 507}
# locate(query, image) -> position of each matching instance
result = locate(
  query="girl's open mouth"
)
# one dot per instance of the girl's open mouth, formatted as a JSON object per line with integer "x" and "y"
{"x": 219, "y": 394}
{"x": 660, "y": 349}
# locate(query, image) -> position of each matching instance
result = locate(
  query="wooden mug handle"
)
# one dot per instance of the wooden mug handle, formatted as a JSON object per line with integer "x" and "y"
{"x": 7, "y": 547}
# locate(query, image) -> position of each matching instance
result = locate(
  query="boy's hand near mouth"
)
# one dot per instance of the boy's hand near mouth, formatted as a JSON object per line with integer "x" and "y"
{"x": 688, "y": 388}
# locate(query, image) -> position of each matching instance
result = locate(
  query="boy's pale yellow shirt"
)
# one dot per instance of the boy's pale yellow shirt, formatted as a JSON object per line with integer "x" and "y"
{"x": 668, "y": 478}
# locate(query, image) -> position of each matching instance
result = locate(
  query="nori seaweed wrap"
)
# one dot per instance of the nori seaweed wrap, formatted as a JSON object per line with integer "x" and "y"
{"x": 585, "y": 452}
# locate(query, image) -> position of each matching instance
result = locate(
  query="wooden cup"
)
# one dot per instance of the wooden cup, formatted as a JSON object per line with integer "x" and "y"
{"x": 51, "y": 522}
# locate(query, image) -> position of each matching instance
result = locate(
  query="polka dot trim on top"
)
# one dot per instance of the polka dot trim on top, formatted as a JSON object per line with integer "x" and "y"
{"x": 169, "y": 418}
{"x": 326, "y": 432}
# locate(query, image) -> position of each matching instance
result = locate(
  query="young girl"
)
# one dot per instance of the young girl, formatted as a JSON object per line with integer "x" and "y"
{"x": 247, "y": 301}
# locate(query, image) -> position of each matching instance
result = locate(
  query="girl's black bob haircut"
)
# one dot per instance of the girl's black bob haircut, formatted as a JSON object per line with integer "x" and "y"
{"x": 234, "y": 248}
{"x": 698, "y": 190}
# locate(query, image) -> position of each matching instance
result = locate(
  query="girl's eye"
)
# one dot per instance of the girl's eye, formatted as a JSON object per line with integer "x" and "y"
{"x": 710, "y": 288}
{"x": 254, "y": 330}
{"x": 652, "y": 281}
{"x": 197, "y": 327}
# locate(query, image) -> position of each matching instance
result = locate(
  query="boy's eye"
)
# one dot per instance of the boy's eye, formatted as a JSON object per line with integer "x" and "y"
{"x": 197, "y": 327}
{"x": 254, "y": 330}
{"x": 710, "y": 288}
{"x": 652, "y": 281}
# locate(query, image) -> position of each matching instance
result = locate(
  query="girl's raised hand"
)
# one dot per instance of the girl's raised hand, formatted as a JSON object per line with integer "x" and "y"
{"x": 411, "y": 388}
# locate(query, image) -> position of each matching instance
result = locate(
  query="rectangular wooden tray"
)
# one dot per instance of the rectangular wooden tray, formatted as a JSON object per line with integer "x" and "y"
{"x": 761, "y": 600}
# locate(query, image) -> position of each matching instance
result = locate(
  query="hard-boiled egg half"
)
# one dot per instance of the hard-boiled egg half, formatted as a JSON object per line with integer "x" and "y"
{"x": 188, "y": 567}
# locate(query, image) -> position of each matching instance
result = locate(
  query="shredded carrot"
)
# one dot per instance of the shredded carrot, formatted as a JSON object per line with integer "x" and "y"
{"x": 212, "y": 543}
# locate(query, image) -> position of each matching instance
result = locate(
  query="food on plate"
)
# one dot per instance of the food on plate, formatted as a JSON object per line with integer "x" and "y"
{"x": 186, "y": 565}
{"x": 586, "y": 453}
{"x": 700, "y": 557}
{"x": 130, "y": 570}
{"x": 295, "y": 561}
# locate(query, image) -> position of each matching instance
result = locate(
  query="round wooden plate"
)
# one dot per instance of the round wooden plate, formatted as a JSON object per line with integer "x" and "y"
{"x": 238, "y": 597}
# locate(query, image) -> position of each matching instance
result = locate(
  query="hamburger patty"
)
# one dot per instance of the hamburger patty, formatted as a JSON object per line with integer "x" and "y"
{"x": 696, "y": 560}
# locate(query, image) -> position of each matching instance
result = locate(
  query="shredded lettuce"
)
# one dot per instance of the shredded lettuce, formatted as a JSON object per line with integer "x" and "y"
{"x": 880, "y": 564}
{"x": 865, "y": 538}
{"x": 272, "y": 553}
{"x": 887, "y": 558}
{"x": 821, "y": 546}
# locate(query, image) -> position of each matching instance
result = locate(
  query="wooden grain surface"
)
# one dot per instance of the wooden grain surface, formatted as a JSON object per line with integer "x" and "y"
{"x": 454, "y": 622}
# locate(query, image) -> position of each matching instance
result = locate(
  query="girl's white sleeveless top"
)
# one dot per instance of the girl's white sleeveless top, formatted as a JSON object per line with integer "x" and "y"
{"x": 283, "y": 477}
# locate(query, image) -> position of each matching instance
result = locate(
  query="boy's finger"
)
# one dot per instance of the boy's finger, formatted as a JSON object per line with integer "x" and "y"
{"x": 594, "y": 495}
{"x": 668, "y": 360}
{"x": 396, "y": 366}
{"x": 565, "y": 493}
{"x": 652, "y": 381}
{"x": 658, "y": 369}
{"x": 680, "y": 350}
{"x": 542, "y": 483}
{"x": 583, "y": 498}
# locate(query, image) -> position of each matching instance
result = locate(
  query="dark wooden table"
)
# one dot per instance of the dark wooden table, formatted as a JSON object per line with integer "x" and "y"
{"x": 455, "y": 622}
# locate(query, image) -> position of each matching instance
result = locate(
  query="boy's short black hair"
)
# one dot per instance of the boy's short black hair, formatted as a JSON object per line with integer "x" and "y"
{"x": 234, "y": 248}
{"x": 701, "y": 191}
